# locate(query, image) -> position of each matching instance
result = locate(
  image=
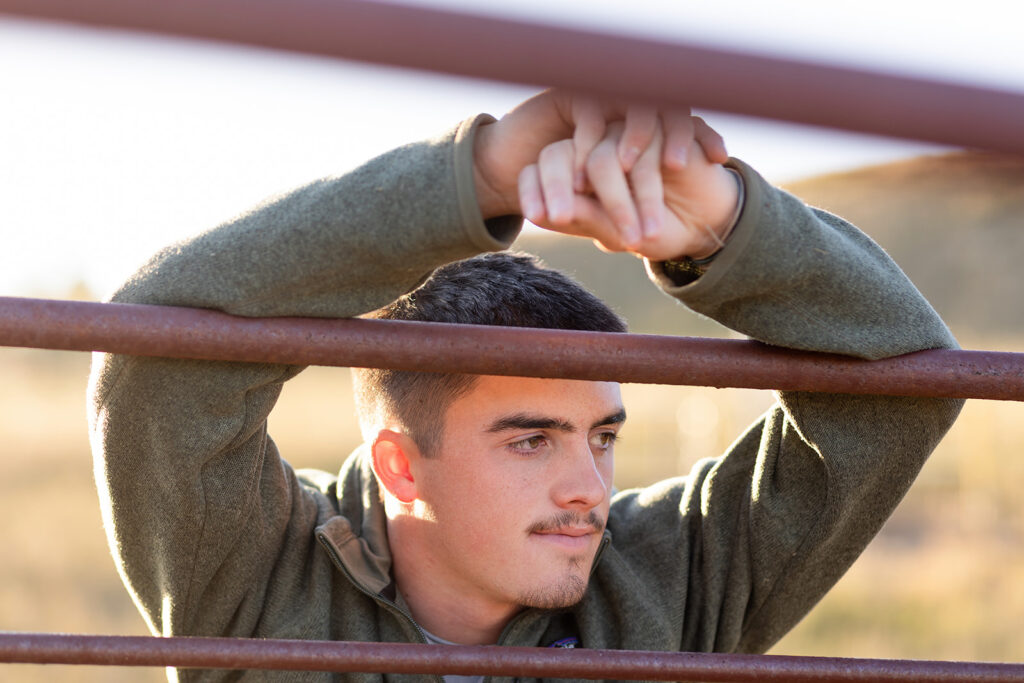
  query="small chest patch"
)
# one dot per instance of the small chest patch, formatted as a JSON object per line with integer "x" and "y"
{"x": 568, "y": 643}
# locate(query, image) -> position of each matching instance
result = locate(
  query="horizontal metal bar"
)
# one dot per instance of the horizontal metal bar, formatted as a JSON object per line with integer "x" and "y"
{"x": 534, "y": 53}
{"x": 647, "y": 359}
{"x": 297, "y": 655}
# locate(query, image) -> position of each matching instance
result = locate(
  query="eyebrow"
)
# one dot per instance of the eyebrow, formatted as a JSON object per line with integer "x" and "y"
{"x": 526, "y": 421}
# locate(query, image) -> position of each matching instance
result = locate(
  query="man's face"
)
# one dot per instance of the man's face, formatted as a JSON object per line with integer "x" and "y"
{"x": 517, "y": 499}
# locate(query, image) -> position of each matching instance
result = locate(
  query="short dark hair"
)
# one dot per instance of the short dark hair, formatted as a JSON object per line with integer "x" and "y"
{"x": 502, "y": 288}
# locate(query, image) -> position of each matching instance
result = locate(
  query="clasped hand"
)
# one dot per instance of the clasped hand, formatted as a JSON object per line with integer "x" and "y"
{"x": 651, "y": 207}
{"x": 629, "y": 177}
{"x": 645, "y": 200}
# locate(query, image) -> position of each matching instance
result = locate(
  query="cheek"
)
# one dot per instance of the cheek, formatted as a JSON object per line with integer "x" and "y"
{"x": 604, "y": 464}
{"x": 473, "y": 507}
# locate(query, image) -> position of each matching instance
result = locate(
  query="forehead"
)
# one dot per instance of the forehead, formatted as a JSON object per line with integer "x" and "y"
{"x": 492, "y": 396}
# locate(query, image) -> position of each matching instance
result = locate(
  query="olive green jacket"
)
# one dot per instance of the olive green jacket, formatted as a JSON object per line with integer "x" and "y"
{"x": 214, "y": 534}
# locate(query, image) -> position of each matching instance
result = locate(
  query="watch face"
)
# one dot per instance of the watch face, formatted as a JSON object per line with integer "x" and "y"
{"x": 684, "y": 271}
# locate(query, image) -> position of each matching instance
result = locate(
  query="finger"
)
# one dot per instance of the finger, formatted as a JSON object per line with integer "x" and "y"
{"x": 589, "y": 121}
{"x": 531, "y": 199}
{"x": 710, "y": 141}
{"x": 679, "y": 130}
{"x": 592, "y": 221}
{"x": 555, "y": 170}
{"x": 641, "y": 122}
{"x": 648, "y": 190}
{"x": 612, "y": 189}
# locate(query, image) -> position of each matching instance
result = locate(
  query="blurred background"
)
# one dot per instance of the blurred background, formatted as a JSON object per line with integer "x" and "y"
{"x": 113, "y": 144}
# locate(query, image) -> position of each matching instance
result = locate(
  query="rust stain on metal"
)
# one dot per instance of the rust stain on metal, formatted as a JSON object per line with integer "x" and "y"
{"x": 647, "y": 359}
{"x": 601, "y": 62}
{"x": 296, "y": 655}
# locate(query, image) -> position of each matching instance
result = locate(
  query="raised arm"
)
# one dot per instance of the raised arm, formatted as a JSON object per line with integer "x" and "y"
{"x": 732, "y": 556}
{"x": 785, "y": 513}
{"x": 197, "y": 504}
{"x": 199, "y": 509}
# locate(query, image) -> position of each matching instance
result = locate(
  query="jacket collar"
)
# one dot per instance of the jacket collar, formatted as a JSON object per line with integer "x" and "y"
{"x": 358, "y": 535}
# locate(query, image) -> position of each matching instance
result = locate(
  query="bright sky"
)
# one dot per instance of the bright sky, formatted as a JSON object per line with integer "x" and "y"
{"x": 114, "y": 144}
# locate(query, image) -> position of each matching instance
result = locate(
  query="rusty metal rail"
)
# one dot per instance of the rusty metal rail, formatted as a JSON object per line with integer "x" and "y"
{"x": 304, "y": 655}
{"x": 191, "y": 333}
{"x": 621, "y": 66}
{"x": 525, "y": 52}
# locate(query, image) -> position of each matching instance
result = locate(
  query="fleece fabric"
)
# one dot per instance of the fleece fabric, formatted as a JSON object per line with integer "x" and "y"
{"x": 214, "y": 534}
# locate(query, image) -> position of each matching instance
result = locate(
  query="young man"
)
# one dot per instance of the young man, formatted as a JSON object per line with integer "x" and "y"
{"x": 479, "y": 509}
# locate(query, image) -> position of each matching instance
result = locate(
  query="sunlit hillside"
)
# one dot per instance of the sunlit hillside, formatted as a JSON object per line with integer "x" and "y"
{"x": 945, "y": 579}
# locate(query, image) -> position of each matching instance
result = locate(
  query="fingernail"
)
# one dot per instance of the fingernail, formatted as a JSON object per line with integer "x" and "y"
{"x": 652, "y": 226}
{"x": 630, "y": 234}
{"x": 680, "y": 155}
{"x": 531, "y": 210}
{"x": 558, "y": 210}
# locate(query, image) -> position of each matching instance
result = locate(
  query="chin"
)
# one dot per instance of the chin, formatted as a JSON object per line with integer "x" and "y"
{"x": 560, "y": 595}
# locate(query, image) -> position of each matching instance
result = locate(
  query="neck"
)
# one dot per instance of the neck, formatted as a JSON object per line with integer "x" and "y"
{"x": 438, "y": 601}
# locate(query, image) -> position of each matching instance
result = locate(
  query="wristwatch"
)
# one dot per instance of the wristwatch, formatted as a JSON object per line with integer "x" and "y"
{"x": 684, "y": 270}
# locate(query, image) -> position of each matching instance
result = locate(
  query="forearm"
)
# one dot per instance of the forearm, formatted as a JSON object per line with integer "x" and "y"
{"x": 796, "y": 277}
{"x": 337, "y": 247}
{"x": 184, "y": 465}
{"x": 794, "y": 502}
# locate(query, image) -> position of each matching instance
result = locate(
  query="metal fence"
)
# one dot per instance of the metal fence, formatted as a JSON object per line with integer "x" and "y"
{"x": 302, "y": 655}
{"x": 604, "y": 64}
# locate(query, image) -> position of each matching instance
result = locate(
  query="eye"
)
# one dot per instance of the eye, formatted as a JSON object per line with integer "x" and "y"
{"x": 604, "y": 440}
{"x": 530, "y": 444}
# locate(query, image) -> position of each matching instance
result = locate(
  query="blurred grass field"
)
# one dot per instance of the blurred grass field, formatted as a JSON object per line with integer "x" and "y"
{"x": 945, "y": 579}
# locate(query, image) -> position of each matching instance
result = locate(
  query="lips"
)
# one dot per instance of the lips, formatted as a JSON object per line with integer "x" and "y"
{"x": 571, "y": 531}
{"x": 569, "y": 523}
{"x": 573, "y": 539}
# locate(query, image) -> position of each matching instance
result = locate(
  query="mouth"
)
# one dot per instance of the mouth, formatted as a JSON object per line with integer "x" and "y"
{"x": 570, "y": 531}
{"x": 569, "y": 538}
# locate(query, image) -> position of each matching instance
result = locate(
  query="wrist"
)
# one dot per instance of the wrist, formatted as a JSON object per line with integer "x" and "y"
{"x": 724, "y": 216}
{"x": 495, "y": 195}
{"x": 686, "y": 269}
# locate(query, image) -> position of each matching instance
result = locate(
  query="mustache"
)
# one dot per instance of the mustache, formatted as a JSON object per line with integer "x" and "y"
{"x": 569, "y": 518}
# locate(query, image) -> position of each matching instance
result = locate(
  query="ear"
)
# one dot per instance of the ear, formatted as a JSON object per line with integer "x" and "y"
{"x": 393, "y": 454}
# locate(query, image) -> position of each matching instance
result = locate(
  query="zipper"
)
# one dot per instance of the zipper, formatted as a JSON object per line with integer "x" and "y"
{"x": 380, "y": 600}
{"x": 605, "y": 540}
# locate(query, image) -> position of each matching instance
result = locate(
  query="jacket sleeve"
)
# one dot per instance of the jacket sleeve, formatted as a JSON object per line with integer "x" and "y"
{"x": 198, "y": 507}
{"x": 769, "y": 527}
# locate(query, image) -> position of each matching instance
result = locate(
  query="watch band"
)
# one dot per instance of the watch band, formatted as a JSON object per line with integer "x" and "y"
{"x": 684, "y": 270}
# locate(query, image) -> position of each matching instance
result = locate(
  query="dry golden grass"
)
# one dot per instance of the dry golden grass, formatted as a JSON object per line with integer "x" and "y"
{"x": 945, "y": 580}
{"x": 56, "y": 574}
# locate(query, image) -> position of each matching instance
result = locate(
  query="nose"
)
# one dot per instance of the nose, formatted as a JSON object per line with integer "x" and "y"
{"x": 581, "y": 480}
